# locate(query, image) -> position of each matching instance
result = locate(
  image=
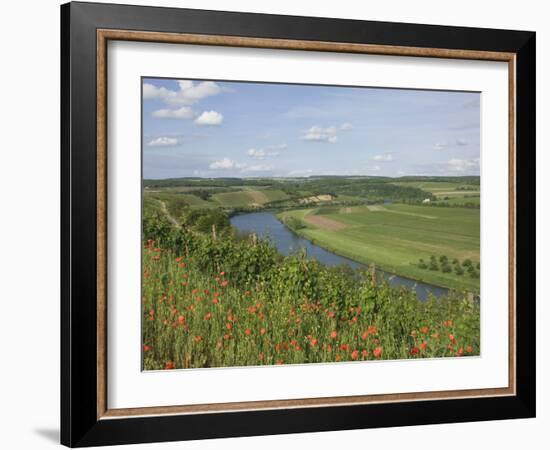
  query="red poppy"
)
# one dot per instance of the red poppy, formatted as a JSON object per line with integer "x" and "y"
{"x": 365, "y": 335}
{"x": 451, "y": 337}
{"x": 338, "y": 358}
{"x": 169, "y": 365}
{"x": 263, "y": 331}
{"x": 377, "y": 352}
{"x": 181, "y": 319}
{"x": 334, "y": 334}
{"x": 372, "y": 329}
{"x": 222, "y": 274}
{"x": 215, "y": 301}
{"x": 424, "y": 330}
{"x": 248, "y": 331}
{"x": 365, "y": 353}
{"x": 313, "y": 342}
{"x": 469, "y": 349}
{"x": 414, "y": 351}
{"x": 198, "y": 339}
{"x": 208, "y": 316}
{"x": 146, "y": 348}
{"x": 423, "y": 345}
{"x": 355, "y": 354}
{"x": 460, "y": 352}
{"x": 229, "y": 326}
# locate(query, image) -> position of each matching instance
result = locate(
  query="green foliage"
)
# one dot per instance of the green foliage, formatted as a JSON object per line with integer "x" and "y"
{"x": 215, "y": 303}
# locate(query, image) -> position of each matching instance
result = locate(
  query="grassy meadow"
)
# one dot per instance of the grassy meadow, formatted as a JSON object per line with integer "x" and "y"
{"x": 395, "y": 237}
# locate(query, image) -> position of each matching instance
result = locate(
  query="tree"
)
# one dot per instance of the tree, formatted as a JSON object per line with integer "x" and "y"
{"x": 467, "y": 263}
{"x": 459, "y": 270}
{"x": 443, "y": 259}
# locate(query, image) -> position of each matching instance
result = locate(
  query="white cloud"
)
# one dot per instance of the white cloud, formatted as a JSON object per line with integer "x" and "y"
{"x": 346, "y": 126}
{"x": 320, "y": 134}
{"x": 211, "y": 118}
{"x": 461, "y": 142}
{"x": 225, "y": 164}
{"x": 182, "y": 113}
{"x": 387, "y": 157}
{"x": 462, "y": 165}
{"x": 189, "y": 92}
{"x": 440, "y": 145}
{"x": 162, "y": 141}
{"x": 262, "y": 153}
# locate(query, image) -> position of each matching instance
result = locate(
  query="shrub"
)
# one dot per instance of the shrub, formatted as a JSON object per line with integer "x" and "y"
{"x": 467, "y": 263}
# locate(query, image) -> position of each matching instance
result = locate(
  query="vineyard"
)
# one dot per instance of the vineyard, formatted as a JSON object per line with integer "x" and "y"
{"x": 218, "y": 301}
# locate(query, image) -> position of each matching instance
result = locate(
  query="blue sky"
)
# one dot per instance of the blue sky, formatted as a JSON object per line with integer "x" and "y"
{"x": 242, "y": 129}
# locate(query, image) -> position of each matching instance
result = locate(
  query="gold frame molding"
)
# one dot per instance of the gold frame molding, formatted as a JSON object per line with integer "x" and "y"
{"x": 105, "y": 35}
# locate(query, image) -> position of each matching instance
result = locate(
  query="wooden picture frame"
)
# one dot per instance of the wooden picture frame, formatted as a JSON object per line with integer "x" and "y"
{"x": 86, "y": 418}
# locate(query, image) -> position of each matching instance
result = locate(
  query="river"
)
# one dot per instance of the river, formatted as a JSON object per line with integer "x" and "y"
{"x": 266, "y": 226}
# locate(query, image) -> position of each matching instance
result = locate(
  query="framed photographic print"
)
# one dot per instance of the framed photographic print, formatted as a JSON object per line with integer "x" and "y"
{"x": 277, "y": 224}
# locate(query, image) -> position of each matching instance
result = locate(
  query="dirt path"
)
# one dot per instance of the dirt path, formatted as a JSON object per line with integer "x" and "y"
{"x": 325, "y": 223}
{"x": 165, "y": 211}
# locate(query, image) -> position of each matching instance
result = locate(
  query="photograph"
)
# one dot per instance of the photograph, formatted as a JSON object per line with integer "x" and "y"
{"x": 299, "y": 223}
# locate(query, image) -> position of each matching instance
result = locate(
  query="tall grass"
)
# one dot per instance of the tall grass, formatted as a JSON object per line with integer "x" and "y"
{"x": 215, "y": 303}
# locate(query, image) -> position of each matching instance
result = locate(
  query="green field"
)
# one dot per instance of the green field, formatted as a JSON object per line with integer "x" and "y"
{"x": 248, "y": 197}
{"x": 394, "y": 237}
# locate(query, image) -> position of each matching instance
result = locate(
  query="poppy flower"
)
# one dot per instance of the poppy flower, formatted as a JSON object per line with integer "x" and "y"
{"x": 313, "y": 342}
{"x": 215, "y": 301}
{"x": 364, "y": 353}
{"x": 208, "y": 316}
{"x": 198, "y": 339}
{"x": 460, "y": 352}
{"x": 414, "y": 351}
{"x": 169, "y": 365}
{"x": 377, "y": 352}
{"x": 451, "y": 337}
{"x": 338, "y": 358}
{"x": 424, "y": 330}
{"x": 262, "y": 331}
{"x": 248, "y": 331}
{"x": 355, "y": 355}
{"x": 334, "y": 334}
{"x": 365, "y": 335}
{"x": 146, "y": 348}
{"x": 181, "y": 319}
{"x": 229, "y": 326}
{"x": 372, "y": 329}
{"x": 423, "y": 345}
{"x": 469, "y": 349}
{"x": 222, "y": 274}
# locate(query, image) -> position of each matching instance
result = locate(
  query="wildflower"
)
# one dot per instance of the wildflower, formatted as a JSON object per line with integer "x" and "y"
{"x": 280, "y": 361}
{"x": 222, "y": 274}
{"x": 165, "y": 322}
{"x": 338, "y": 358}
{"x": 198, "y": 339}
{"x": 413, "y": 333}
{"x": 261, "y": 356}
{"x": 179, "y": 259}
{"x": 355, "y": 355}
{"x": 182, "y": 265}
{"x": 226, "y": 337}
{"x": 414, "y": 351}
{"x": 208, "y": 316}
{"x": 247, "y": 293}
{"x": 224, "y": 283}
{"x": 293, "y": 342}
{"x": 364, "y": 353}
{"x": 451, "y": 337}
{"x": 262, "y": 331}
{"x": 334, "y": 334}
{"x": 229, "y": 326}
{"x": 423, "y": 345}
{"x": 248, "y": 331}
{"x": 146, "y": 348}
{"x": 424, "y": 330}
{"x": 156, "y": 258}
{"x": 460, "y": 352}
{"x": 215, "y": 300}
{"x": 469, "y": 349}
{"x": 344, "y": 347}
{"x": 372, "y": 329}
{"x": 313, "y": 342}
{"x": 181, "y": 319}
{"x": 365, "y": 335}
{"x": 448, "y": 323}
{"x": 329, "y": 348}
{"x": 377, "y": 352}
{"x": 169, "y": 365}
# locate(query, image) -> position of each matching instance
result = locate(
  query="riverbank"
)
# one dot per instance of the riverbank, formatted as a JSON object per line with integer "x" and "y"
{"x": 287, "y": 242}
{"x": 394, "y": 237}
